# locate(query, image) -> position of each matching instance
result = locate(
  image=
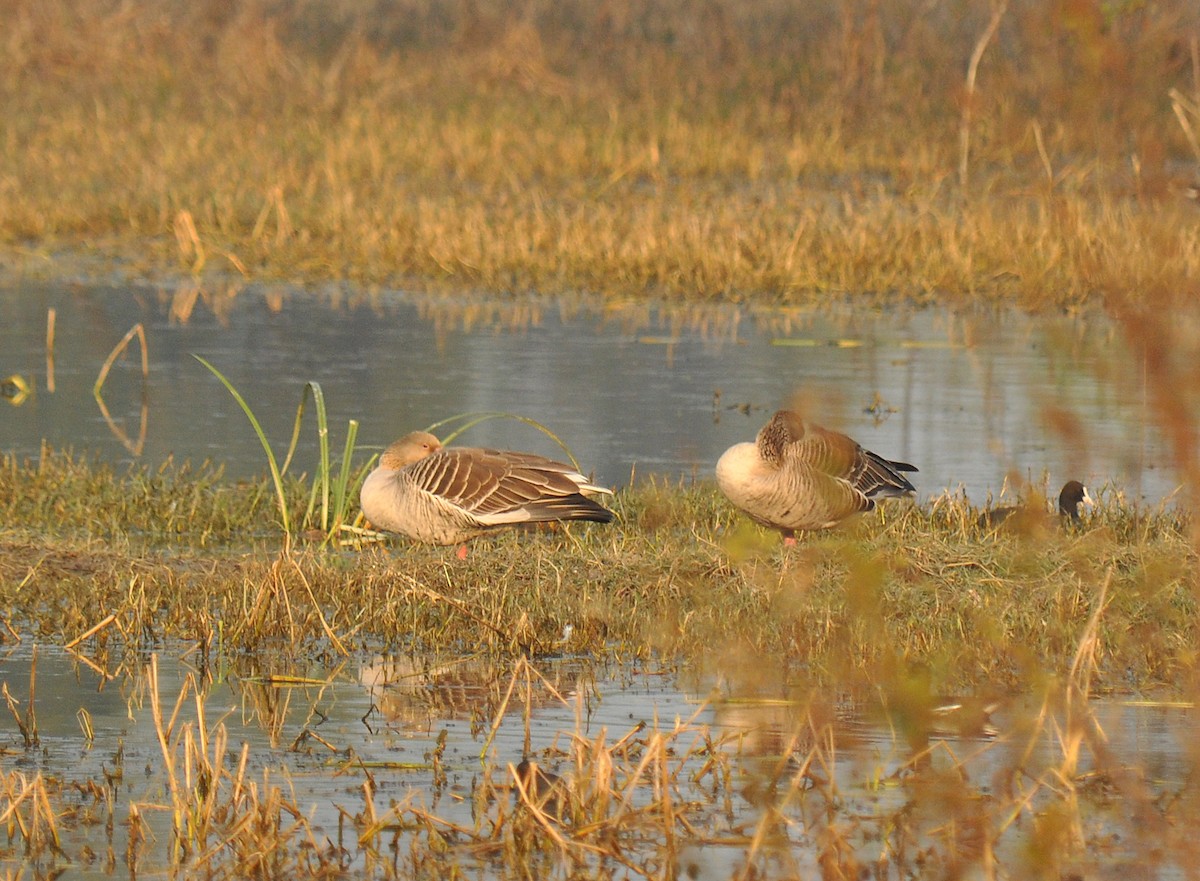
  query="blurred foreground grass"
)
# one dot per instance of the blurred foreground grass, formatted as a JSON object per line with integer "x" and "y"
{"x": 727, "y": 150}
{"x": 180, "y": 554}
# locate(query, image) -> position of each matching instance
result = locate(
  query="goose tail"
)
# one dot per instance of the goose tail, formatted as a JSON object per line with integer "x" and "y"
{"x": 885, "y": 478}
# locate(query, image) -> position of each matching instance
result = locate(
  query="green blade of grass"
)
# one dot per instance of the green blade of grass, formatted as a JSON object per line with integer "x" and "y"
{"x": 321, "y": 482}
{"x": 276, "y": 473}
{"x": 340, "y": 500}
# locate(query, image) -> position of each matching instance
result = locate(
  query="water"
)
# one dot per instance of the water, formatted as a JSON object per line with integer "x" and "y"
{"x": 640, "y": 389}
{"x": 352, "y": 741}
{"x": 972, "y": 400}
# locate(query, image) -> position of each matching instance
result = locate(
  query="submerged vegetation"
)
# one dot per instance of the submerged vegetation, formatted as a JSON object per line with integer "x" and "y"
{"x": 1031, "y": 153}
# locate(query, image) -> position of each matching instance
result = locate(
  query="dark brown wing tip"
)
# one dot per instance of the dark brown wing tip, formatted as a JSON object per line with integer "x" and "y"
{"x": 573, "y": 507}
{"x": 881, "y": 477}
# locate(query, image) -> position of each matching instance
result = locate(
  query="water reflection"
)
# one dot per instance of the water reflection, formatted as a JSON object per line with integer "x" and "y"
{"x": 974, "y": 400}
{"x": 413, "y": 693}
{"x": 375, "y": 753}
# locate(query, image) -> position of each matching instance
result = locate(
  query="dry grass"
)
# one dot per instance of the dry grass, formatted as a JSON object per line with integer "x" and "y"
{"x": 775, "y": 152}
{"x": 735, "y": 151}
{"x": 897, "y": 609}
{"x": 193, "y": 504}
{"x": 678, "y": 575}
{"x": 766, "y": 787}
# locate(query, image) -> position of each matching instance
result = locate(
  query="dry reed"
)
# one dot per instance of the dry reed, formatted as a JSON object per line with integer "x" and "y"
{"x": 762, "y": 786}
{"x": 786, "y": 156}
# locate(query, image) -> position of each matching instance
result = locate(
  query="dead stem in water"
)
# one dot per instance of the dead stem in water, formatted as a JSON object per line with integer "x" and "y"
{"x": 756, "y": 785}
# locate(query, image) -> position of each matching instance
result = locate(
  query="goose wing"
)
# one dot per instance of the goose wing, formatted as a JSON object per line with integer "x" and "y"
{"x": 843, "y": 458}
{"x": 499, "y": 486}
{"x": 875, "y": 475}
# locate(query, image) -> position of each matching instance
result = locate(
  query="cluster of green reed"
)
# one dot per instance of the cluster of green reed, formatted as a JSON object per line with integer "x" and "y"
{"x": 734, "y": 151}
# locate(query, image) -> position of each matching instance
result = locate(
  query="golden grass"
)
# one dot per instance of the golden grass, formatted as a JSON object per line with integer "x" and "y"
{"x": 679, "y": 574}
{"x": 776, "y": 152}
{"x": 741, "y": 152}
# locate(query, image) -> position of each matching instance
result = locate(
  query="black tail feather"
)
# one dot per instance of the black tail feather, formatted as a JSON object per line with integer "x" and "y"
{"x": 881, "y": 477}
{"x": 573, "y": 507}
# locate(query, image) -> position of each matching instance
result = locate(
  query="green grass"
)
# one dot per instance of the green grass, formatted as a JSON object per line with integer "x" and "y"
{"x": 178, "y": 553}
{"x": 332, "y": 499}
{"x": 735, "y": 152}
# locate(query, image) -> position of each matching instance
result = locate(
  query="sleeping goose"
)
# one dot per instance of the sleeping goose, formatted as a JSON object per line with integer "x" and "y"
{"x": 799, "y": 476}
{"x": 1072, "y": 496}
{"x": 446, "y": 495}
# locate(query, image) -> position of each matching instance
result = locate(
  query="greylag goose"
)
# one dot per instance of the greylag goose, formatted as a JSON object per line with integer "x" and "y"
{"x": 799, "y": 476}
{"x": 1072, "y": 496}
{"x": 447, "y": 495}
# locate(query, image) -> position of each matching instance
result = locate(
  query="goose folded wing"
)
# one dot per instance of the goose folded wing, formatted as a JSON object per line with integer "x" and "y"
{"x": 487, "y": 483}
{"x": 842, "y": 457}
{"x": 828, "y": 452}
{"x": 461, "y": 477}
{"x": 876, "y": 474}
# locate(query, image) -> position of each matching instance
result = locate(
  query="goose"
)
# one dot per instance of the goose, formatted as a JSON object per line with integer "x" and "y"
{"x": 799, "y": 476}
{"x": 447, "y": 495}
{"x": 1072, "y": 496}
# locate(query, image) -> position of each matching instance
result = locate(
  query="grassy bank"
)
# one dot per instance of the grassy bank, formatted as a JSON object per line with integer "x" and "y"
{"x": 889, "y": 615}
{"x": 732, "y": 151}
{"x": 912, "y": 593}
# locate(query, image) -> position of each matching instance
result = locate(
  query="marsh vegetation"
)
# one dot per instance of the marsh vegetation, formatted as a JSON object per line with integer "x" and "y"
{"x": 767, "y": 155}
{"x": 384, "y": 767}
{"x": 172, "y": 553}
{"x": 731, "y": 151}
{"x": 790, "y": 652}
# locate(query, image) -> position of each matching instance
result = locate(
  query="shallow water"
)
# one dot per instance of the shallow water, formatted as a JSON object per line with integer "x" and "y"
{"x": 334, "y": 738}
{"x": 969, "y": 399}
{"x": 629, "y": 388}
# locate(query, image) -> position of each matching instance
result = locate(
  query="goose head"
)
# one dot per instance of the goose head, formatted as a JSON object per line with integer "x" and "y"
{"x": 413, "y": 447}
